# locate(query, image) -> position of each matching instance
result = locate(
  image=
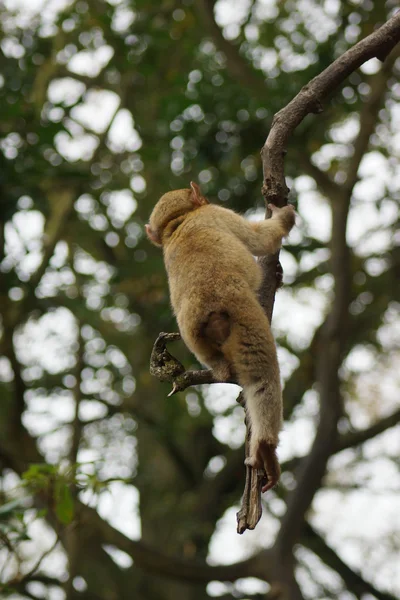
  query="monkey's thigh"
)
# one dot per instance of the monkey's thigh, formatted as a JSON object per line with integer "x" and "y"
{"x": 206, "y": 339}
{"x": 250, "y": 347}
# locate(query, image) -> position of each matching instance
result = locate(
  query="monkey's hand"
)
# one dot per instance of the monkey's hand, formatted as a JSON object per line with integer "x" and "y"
{"x": 285, "y": 215}
{"x": 264, "y": 457}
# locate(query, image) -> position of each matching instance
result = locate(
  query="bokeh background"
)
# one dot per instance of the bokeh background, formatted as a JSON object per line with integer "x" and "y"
{"x": 109, "y": 488}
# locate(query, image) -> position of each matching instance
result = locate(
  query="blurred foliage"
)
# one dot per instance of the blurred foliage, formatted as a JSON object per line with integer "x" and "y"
{"x": 105, "y": 105}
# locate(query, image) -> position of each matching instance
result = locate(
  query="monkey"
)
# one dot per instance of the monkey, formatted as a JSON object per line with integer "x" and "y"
{"x": 214, "y": 278}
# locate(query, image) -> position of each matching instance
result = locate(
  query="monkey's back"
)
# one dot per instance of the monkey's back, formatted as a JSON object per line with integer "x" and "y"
{"x": 209, "y": 267}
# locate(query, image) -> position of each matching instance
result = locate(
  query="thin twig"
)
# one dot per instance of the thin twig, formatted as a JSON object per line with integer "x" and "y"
{"x": 18, "y": 579}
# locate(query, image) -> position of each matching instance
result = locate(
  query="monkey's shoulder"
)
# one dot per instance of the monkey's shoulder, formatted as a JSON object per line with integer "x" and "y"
{"x": 212, "y": 222}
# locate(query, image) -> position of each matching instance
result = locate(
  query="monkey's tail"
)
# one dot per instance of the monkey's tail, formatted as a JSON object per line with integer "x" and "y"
{"x": 251, "y": 351}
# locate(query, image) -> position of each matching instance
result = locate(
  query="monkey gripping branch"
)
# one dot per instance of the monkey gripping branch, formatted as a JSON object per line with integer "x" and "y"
{"x": 252, "y": 353}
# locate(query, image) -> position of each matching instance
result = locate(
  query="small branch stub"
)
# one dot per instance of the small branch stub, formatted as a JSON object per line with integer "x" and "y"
{"x": 163, "y": 365}
{"x": 167, "y": 368}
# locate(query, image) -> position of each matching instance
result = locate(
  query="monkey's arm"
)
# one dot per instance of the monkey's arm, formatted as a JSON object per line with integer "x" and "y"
{"x": 263, "y": 237}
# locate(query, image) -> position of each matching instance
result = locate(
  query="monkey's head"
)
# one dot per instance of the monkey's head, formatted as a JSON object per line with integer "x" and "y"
{"x": 171, "y": 206}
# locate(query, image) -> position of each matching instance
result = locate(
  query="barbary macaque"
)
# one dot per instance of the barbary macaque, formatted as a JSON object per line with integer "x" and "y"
{"x": 214, "y": 280}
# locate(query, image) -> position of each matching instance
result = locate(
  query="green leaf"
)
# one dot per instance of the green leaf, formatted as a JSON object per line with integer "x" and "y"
{"x": 7, "y": 509}
{"x": 64, "y": 503}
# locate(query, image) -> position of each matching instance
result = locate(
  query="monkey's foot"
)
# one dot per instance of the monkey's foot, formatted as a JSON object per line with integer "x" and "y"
{"x": 264, "y": 457}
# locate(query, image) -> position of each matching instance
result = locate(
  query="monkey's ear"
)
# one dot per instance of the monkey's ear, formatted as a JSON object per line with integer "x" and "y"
{"x": 153, "y": 235}
{"x": 197, "y": 196}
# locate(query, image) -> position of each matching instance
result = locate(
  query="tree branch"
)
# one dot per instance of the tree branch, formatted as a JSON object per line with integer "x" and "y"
{"x": 146, "y": 557}
{"x": 352, "y": 439}
{"x": 324, "y": 183}
{"x": 378, "y": 44}
{"x": 18, "y": 405}
{"x": 21, "y": 578}
{"x": 77, "y": 395}
{"x": 349, "y": 440}
{"x": 166, "y": 367}
{"x": 136, "y": 406}
{"x": 275, "y": 191}
{"x": 237, "y": 65}
{"x": 333, "y": 332}
{"x": 369, "y": 114}
{"x": 154, "y": 561}
{"x": 61, "y": 202}
{"x": 354, "y": 582}
{"x": 310, "y": 98}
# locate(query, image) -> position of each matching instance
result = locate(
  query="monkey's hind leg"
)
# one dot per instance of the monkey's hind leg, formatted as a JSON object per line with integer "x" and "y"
{"x": 213, "y": 334}
{"x": 251, "y": 350}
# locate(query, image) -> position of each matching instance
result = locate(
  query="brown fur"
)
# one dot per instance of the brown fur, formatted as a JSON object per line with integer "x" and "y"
{"x": 214, "y": 280}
